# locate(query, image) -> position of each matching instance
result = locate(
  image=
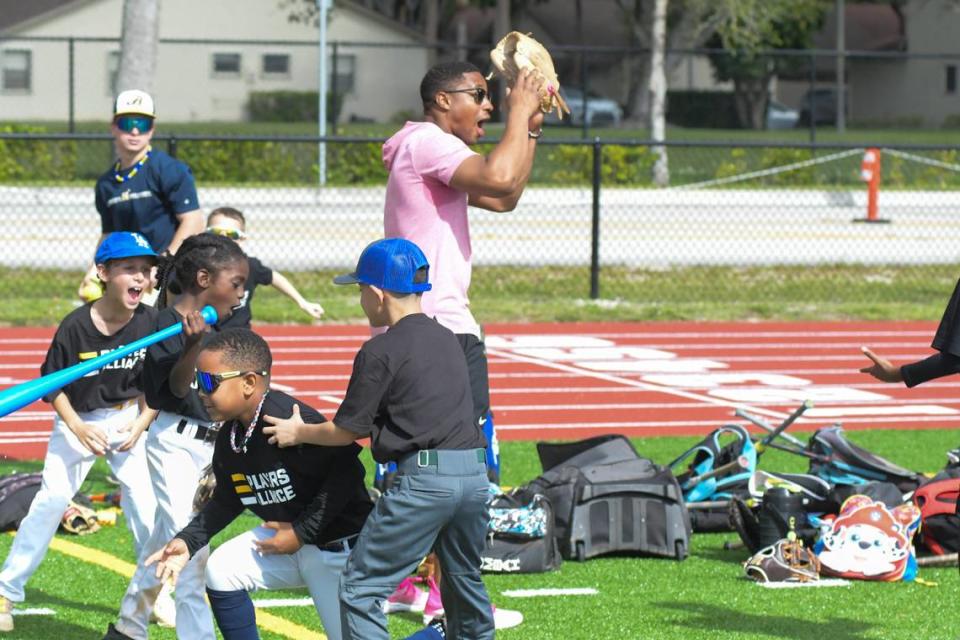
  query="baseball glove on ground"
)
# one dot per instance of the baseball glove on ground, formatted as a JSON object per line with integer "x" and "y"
{"x": 783, "y": 561}
{"x": 208, "y": 482}
{"x": 79, "y": 520}
{"x": 518, "y": 51}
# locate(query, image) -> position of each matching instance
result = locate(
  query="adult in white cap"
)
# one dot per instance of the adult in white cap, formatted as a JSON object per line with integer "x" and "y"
{"x": 145, "y": 190}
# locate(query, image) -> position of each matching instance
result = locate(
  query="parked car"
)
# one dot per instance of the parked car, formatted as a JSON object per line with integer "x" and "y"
{"x": 823, "y": 104}
{"x": 601, "y": 112}
{"x": 780, "y": 116}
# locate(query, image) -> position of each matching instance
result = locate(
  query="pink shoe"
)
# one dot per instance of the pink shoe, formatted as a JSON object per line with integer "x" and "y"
{"x": 434, "y": 606}
{"x": 407, "y": 597}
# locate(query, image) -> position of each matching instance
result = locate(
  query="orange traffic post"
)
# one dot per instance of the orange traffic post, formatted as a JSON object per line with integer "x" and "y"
{"x": 870, "y": 173}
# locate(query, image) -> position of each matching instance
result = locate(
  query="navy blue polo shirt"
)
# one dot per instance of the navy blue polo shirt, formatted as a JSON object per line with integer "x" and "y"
{"x": 148, "y": 202}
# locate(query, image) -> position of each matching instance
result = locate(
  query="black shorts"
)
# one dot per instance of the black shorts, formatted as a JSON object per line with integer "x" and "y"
{"x": 476, "y": 353}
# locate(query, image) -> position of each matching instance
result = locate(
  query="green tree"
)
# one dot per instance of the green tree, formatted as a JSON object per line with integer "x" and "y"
{"x": 751, "y": 71}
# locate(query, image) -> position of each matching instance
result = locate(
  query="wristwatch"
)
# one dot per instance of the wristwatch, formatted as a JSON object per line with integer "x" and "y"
{"x": 535, "y": 134}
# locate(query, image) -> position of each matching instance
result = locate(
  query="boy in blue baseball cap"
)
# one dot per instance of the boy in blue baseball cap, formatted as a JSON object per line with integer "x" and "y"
{"x": 410, "y": 393}
{"x": 101, "y": 414}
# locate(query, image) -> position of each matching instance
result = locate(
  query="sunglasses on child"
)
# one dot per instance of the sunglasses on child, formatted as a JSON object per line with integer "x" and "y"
{"x": 479, "y": 93}
{"x": 234, "y": 234}
{"x": 209, "y": 382}
{"x": 129, "y": 123}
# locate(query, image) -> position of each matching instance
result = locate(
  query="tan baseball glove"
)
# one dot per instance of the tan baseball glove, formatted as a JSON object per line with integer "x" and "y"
{"x": 783, "y": 561}
{"x": 518, "y": 51}
{"x": 208, "y": 482}
{"x": 79, "y": 520}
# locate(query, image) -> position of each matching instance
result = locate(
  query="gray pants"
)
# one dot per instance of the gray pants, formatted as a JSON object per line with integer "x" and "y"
{"x": 439, "y": 502}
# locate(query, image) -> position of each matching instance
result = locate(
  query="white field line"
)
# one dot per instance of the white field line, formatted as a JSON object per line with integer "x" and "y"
{"x": 35, "y": 611}
{"x": 635, "y": 383}
{"x": 746, "y": 333}
{"x": 680, "y": 424}
{"x": 550, "y": 593}
{"x": 833, "y": 406}
{"x": 267, "y": 603}
{"x": 766, "y": 346}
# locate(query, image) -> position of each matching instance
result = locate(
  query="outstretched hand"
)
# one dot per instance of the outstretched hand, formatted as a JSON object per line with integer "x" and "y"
{"x": 170, "y": 560}
{"x": 284, "y": 432}
{"x": 881, "y": 369}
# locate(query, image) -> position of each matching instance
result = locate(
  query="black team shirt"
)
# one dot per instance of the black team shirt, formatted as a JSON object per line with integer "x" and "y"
{"x": 319, "y": 489}
{"x": 162, "y": 357}
{"x": 77, "y": 340}
{"x": 259, "y": 275}
{"x": 410, "y": 390}
{"x": 946, "y": 342}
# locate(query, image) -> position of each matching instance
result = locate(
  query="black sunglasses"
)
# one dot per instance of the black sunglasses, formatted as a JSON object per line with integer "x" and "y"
{"x": 209, "y": 382}
{"x": 129, "y": 123}
{"x": 479, "y": 93}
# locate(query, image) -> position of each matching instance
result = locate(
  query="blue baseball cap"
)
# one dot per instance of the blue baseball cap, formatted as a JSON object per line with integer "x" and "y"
{"x": 389, "y": 264}
{"x": 123, "y": 244}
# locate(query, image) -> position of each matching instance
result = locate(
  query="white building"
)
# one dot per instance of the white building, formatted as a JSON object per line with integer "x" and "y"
{"x": 258, "y": 49}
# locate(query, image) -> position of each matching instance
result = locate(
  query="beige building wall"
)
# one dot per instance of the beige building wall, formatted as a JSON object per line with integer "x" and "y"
{"x": 186, "y": 87}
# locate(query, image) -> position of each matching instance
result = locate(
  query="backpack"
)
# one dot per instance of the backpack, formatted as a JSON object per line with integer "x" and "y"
{"x": 520, "y": 535}
{"x": 607, "y": 499}
{"x": 937, "y": 500}
{"x": 707, "y": 455}
{"x": 17, "y": 491}
{"x": 868, "y": 541}
{"x": 840, "y": 462}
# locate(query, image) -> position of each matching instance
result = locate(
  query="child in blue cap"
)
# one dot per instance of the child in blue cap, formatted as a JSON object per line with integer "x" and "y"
{"x": 410, "y": 393}
{"x": 101, "y": 414}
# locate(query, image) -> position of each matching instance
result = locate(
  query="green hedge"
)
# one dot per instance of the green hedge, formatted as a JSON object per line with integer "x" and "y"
{"x": 34, "y": 160}
{"x": 291, "y": 106}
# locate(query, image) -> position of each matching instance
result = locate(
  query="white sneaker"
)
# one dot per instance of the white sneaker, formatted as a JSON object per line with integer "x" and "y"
{"x": 164, "y": 609}
{"x": 506, "y": 618}
{"x": 6, "y": 614}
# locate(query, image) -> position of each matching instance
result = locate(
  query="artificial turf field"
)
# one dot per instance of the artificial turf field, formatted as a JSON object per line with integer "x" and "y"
{"x": 704, "y": 596}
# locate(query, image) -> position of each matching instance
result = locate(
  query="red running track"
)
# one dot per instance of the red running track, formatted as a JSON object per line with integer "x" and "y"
{"x": 570, "y": 381}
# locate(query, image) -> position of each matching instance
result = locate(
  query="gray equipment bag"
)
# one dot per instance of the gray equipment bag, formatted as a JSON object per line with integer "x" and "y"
{"x": 607, "y": 499}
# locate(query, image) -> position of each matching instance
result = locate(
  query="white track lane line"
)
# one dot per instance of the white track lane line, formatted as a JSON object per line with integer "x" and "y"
{"x": 746, "y": 333}
{"x": 946, "y": 421}
{"x": 635, "y": 383}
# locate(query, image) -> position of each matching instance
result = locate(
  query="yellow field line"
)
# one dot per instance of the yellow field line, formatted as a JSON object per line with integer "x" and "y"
{"x": 267, "y": 621}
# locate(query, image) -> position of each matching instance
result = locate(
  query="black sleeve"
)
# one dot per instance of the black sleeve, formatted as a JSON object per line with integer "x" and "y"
{"x": 57, "y": 358}
{"x": 161, "y": 358}
{"x": 936, "y": 366}
{"x": 368, "y": 383}
{"x": 223, "y": 508}
{"x": 343, "y": 473}
{"x": 260, "y": 273}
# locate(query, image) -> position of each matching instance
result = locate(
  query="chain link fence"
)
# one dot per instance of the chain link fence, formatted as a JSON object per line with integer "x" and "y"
{"x": 738, "y": 223}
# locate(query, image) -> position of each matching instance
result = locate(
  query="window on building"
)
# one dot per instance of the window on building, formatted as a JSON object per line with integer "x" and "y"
{"x": 226, "y": 64}
{"x": 276, "y": 64}
{"x": 343, "y": 70}
{"x": 951, "y": 79}
{"x": 16, "y": 70}
{"x": 113, "y": 72}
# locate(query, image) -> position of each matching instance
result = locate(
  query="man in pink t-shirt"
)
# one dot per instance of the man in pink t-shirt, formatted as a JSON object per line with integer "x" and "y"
{"x": 434, "y": 175}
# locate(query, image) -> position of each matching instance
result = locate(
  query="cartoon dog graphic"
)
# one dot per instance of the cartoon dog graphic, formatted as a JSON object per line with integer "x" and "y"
{"x": 867, "y": 540}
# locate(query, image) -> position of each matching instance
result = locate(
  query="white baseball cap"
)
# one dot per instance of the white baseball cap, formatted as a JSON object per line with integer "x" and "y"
{"x": 134, "y": 101}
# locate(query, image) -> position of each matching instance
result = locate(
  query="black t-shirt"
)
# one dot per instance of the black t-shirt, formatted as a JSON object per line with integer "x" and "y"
{"x": 161, "y": 358}
{"x": 241, "y": 315}
{"x": 77, "y": 339}
{"x": 319, "y": 489}
{"x": 947, "y": 338}
{"x": 409, "y": 390}
{"x": 150, "y": 201}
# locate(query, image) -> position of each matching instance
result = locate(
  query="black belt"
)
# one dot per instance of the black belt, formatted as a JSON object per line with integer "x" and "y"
{"x": 206, "y": 434}
{"x": 339, "y": 546}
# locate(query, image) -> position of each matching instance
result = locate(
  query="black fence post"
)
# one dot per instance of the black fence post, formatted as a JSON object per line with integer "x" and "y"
{"x": 595, "y": 224}
{"x": 71, "y": 84}
{"x": 172, "y": 146}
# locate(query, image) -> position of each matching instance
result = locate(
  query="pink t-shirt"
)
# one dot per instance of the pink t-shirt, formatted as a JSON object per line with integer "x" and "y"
{"x": 422, "y": 207}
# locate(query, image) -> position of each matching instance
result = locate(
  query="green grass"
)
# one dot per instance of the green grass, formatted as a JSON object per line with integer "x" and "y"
{"x": 561, "y": 294}
{"x": 703, "y": 596}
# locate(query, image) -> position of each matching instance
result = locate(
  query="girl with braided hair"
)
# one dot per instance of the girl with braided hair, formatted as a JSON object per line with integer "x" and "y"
{"x": 207, "y": 270}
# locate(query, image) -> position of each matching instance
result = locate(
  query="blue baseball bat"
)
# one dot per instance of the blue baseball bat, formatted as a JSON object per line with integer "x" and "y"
{"x": 24, "y": 393}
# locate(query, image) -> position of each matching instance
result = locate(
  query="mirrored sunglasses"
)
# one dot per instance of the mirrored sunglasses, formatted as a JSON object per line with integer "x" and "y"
{"x": 479, "y": 93}
{"x": 128, "y": 123}
{"x": 209, "y": 382}
{"x": 234, "y": 234}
